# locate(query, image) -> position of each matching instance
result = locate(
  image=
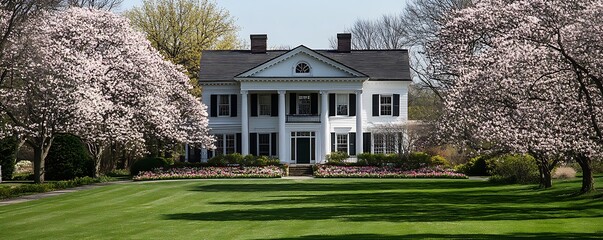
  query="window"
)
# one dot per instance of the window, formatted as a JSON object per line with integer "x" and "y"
{"x": 229, "y": 144}
{"x": 342, "y": 104}
{"x": 223, "y": 105}
{"x": 386, "y": 105}
{"x": 302, "y": 68}
{"x": 342, "y": 143}
{"x": 304, "y": 104}
{"x": 264, "y": 102}
{"x": 385, "y": 143}
{"x": 264, "y": 145}
{"x": 219, "y": 144}
{"x": 225, "y": 144}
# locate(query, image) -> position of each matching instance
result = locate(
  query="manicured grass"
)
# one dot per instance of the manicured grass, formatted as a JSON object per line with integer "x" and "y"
{"x": 309, "y": 209}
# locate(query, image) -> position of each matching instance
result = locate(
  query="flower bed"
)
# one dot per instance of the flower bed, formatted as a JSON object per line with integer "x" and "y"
{"x": 329, "y": 171}
{"x": 211, "y": 172}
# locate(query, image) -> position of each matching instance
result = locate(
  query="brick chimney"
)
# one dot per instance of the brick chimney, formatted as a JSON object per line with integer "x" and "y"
{"x": 258, "y": 43}
{"x": 344, "y": 42}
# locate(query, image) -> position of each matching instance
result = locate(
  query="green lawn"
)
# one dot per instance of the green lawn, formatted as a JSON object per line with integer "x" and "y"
{"x": 309, "y": 209}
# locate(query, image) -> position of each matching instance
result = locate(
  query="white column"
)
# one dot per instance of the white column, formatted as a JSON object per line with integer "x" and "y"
{"x": 244, "y": 124}
{"x": 282, "y": 136}
{"x": 324, "y": 119}
{"x": 359, "y": 142}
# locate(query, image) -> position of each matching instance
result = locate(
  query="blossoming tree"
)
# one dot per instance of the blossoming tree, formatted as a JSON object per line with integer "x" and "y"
{"x": 528, "y": 79}
{"x": 86, "y": 72}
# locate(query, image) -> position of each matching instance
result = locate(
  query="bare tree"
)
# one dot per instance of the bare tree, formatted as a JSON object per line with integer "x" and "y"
{"x": 422, "y": 20}
{"x": 388, "y": 32}
{"x": 401, "y": 138}
{"x": 98, "y": 4}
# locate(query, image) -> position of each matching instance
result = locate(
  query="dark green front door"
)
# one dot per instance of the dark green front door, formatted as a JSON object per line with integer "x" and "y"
{"x": 303, "y": 150}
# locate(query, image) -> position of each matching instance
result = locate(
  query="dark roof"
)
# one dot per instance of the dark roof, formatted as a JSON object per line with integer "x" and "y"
{"x": 379, "y": 65}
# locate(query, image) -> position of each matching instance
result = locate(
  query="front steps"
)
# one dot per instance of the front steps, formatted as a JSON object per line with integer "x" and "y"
{"x": 301, "y": 170}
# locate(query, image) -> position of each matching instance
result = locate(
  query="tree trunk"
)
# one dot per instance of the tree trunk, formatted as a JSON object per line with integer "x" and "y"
{"x": 588, "y": 182}
{"x": 41, "y": 149}
{"x": 38, "y": 164}
{"x": 545, "y": 178}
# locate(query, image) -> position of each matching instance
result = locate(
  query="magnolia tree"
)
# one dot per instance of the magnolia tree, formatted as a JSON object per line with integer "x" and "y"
{"x": 528, "y": 79}
{"x": 86, "y": 72}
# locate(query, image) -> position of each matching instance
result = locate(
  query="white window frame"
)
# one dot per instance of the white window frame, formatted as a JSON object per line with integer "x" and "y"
{"x": 309, "y": 73}
{"x": 269, "y": 144}
{"x": 382, "y": 104}
{"x": 298, "y": 105}
{"x": 268, "y": 106}
{"x": 342, "y": 145}
{"x": 220, "y": 104}
{"x": 347, "y": 104}
{"x": 386, "y": 143}
{"x": 227, "y": 147}
{"x": 222, "y": 141}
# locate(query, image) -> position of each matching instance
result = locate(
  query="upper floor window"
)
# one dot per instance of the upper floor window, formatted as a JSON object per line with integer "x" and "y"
{"x": 342, "y": 104}
{"x": 386, "y": 105}
{"x": 223, "y": 105}
{"x": 304, "y": 104}
{"x": 265, "y": 104}
{"x": 302, "y": 67}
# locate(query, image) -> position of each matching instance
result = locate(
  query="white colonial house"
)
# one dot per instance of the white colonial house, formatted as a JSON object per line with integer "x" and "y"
{"x": 300, "y": 105}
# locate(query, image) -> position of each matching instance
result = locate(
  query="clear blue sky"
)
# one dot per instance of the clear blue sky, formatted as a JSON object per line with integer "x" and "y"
{"x": 292, "y": 23}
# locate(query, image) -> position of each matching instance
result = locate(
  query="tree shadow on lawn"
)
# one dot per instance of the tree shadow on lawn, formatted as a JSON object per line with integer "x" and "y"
{"x": 461, "y": 202}
{"x": 450, "y": 236}
{"x": 344, "y": 185}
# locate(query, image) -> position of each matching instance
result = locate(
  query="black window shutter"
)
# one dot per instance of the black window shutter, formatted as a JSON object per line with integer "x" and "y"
{"x": 366, "y": 142}
{"x": 375, "y": 105}
{"x": 253, "y": 144}
{"x": 352, "y": 144}
{"x": 292, "y": 103}
{"x": 333, "y": 142}
{"x": 274, "y": 105}
{"x": 274, "y": 140}
{"x": 213, "y": 101}
{"x": 332, "y": 104}
{"x": 314, "y": 103}
{"x": 352, "y": 106}
{"x": 210, "y": 154}
{"x": 396, "y": 105}
{"x": 254, "y": 105}
{"x": 239, "y": 145}
{"x": 233, "y": 105}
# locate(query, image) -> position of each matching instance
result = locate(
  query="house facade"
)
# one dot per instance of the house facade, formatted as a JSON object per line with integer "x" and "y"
{"x": 301, "y": 104}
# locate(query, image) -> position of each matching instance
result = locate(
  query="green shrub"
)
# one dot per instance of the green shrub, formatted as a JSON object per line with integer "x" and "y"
{"x": 514, "y": 169}
{"x": 438, "y": 160}
{"x": 7, "y": 157}
{"x": 365, "y": 158}
{"x": 476, "y": 166}
{"x": 68, "y": 159}
{"x": 249, "y": 160}
{"x": 238, "y": 159}
{"x": 148, "y": 164}
{"x": 118, "y": 173}
{"x": 416, "y": 160}
{"x": 218, "y": 161}
{"x": 337, "y": 157}
{"x": 234, "y": 158}
{"x": 266, "y": 161}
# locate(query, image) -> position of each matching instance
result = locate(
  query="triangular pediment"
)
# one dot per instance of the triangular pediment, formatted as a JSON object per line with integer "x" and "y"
{"x": 284, "y": 66}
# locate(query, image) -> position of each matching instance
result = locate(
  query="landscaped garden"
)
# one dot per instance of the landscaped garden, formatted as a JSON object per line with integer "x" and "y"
{"x": 310, "y": 209}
